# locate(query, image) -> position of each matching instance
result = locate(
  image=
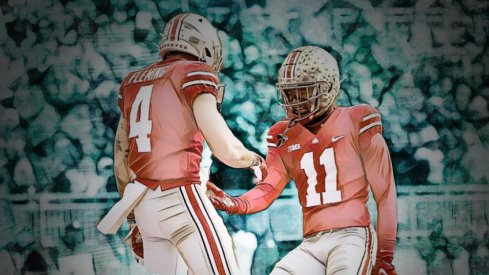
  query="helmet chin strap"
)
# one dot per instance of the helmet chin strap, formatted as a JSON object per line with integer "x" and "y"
{"x": 282, "y": 138}
{"x": 318, "y": 119}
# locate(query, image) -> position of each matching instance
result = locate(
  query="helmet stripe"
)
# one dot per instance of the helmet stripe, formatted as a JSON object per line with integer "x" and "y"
{"x": 288, "y": 66}
{"x": 292, "y": 60}
{"x": 288, "y": 71}
{"x": 182, "y": 19}
{"x": 175, "y": 27}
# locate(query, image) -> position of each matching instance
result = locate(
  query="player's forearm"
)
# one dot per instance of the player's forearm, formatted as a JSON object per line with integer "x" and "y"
{"x": 123, "y": 174}
{"x": 234, "y": 154}
{"x": 387, "y": 217}
{"x": 386, "y": 232}
{"x": 224, "y": 145}
{"x": 263, "y": 194}
{"x": 259, "y": 198}
{"x": 379, "y": 173}
{"x": 387, "y": 221}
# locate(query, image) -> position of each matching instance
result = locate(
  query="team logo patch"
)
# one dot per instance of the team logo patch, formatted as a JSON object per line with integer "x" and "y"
{"x": 294, "y": 147}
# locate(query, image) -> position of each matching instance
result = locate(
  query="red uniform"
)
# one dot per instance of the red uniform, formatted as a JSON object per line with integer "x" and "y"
{"x": 333, "y": 171}
{"x": 165, "y": 148}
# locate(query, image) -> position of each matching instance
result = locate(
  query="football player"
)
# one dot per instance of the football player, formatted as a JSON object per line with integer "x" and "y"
{"x": 335, "y": 155}
{"x": 168, "y": 109}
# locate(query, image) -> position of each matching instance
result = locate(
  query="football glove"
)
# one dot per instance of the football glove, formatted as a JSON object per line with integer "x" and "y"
{"x": 385, "y": 255}
{"x": 135, "y": 242}
{"x": 223, "y": 201}
{"x": 259, "y": 167}
{"x": 384, "y": 266}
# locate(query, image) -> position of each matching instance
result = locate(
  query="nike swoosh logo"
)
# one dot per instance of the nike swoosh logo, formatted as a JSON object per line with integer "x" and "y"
{"x": 336, "y": 138}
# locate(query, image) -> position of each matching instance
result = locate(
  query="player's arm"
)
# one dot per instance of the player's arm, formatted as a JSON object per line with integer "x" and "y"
{"x": 123, "y": 174}
{"x": 260, "y": 197}
{"x": 378, "y": 168}
{"x": 224, "y": 145}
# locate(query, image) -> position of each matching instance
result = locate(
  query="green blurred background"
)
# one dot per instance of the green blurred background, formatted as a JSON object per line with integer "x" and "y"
{"x": 423, "y": 64}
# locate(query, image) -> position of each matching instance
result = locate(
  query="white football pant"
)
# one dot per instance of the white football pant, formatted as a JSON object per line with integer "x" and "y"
{"x": 345, "y": 251}
{"x": 183, "y": 220}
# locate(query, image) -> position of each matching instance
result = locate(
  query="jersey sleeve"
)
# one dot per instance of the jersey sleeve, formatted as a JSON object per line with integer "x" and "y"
{"x": 379, "y": 173}
{"x": 198, "y": 78}
{"x": 269, "y": 189}
{"x": 368, "y": 123}
{"x": 378, "y": 167}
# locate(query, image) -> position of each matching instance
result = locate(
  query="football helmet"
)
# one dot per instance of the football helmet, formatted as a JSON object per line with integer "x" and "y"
{"x": 308, "y": 83}
{"x": 193, "y": 34}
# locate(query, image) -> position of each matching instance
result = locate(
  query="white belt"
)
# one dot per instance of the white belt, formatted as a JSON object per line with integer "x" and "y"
{"x": 113, "y": 220}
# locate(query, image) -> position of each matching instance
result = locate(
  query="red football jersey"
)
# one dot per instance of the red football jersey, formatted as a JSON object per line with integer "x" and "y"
{"x": 165, "y": 144}
{"x": 333, "y": 171}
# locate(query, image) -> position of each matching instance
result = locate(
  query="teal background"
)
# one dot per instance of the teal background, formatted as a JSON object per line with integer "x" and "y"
{"x": 423, "y": 64}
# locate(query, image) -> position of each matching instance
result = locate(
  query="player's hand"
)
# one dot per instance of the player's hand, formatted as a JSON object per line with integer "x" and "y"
{"x": 259, "y": 167}
{"x": 135, "y": 242}
{"x": 223, "y": 201}
{"x": 383, "y": 267}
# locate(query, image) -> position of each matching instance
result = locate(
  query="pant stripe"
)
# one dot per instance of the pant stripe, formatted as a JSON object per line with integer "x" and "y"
{"x": 373, "y": 251}
{"x": 199, "y": 228}
{"x": 214, "y": 249}
{"x": 367, "y": 254}
{"x": 215, "y": 232}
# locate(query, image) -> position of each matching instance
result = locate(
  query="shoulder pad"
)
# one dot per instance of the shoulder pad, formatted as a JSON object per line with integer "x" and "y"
{"x": 195, "y": 70}
{"x": 148, "y": 73}
{"x": 366, "y": 119}
{"x": 189, "y": 66}
{"x": 362, "y": 112}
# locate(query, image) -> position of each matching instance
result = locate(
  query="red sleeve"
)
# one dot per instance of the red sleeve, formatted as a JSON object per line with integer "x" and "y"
{"x": 198, "y": 78}
{"x": 265, "y": 192}
{"x": 378, "y": 169}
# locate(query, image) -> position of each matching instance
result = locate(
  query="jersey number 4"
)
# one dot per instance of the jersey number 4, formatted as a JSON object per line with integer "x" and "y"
{"x": 332, "y": 194}
{"x": 141, "y": 128}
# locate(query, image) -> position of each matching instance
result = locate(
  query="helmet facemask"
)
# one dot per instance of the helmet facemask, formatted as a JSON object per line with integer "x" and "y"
{"x": 303, "y": 100}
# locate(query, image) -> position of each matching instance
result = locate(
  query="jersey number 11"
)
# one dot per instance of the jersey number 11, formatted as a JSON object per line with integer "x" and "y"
{"x": 331, "y": 194}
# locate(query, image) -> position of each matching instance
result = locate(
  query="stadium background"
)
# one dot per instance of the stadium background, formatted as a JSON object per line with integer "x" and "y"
{"x": 423, "y": 64}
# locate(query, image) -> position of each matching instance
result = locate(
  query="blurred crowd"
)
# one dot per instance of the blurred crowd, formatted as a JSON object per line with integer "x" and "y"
{"x": 423, "y": 64}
